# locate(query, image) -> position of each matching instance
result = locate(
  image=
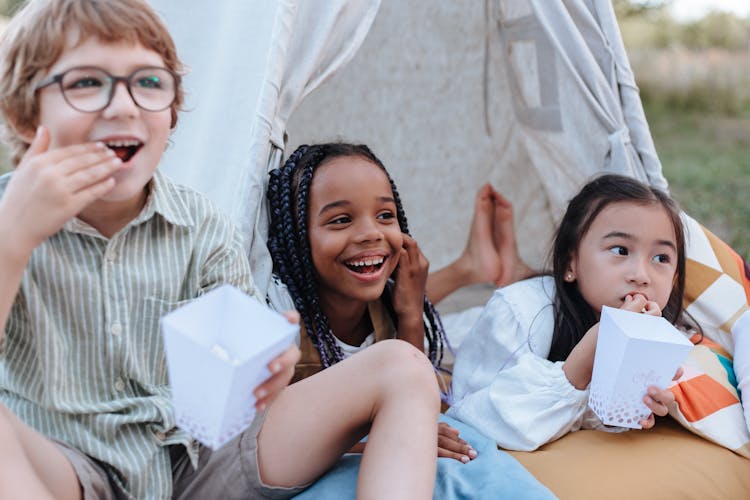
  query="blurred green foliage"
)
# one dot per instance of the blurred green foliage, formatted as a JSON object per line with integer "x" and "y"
{"x": 8, "y": 7}
{"x": 695, "y": 87}
{"x": 650, "y": 26}
{"x": 705, "y": 159}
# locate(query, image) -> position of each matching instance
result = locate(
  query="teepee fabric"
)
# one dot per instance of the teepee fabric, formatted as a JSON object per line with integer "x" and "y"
{"x": 533, "y": 95}
{"x": 250, "y": 64}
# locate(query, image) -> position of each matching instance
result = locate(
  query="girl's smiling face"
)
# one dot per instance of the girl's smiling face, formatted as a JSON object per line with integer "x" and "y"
{"x": 355, "y": 238}
{"x": 629, "y": 248}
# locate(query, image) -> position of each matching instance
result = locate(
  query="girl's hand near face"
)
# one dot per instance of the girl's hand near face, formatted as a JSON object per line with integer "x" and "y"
{"x": 639, "y": 303}
{"x": 282, "y": 370}
{"x": 409, "y": 292}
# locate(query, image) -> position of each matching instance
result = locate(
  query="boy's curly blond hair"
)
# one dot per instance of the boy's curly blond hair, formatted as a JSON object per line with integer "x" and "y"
{"x": 42, "y": 29}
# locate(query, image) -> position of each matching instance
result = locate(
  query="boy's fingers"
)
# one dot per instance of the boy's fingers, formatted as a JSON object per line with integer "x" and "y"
{"x": 292, "y": 316}
{"x": 91, "y": 193}
{"x": 284, "y": 360}
{"x": 678, "y": 374}
{"x": 267, "y": 392}
{"x": 81, "y": 156}
{"x": 67, "y": 159}
{"x": 94, "y": 174}
{"x": 38, "y": 145}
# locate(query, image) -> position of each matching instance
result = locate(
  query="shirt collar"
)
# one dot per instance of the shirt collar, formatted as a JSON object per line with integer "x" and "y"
{"x": 164, "y": 199}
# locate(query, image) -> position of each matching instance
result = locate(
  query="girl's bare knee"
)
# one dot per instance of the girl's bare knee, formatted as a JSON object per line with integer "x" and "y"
{"x": 402, "y": 367}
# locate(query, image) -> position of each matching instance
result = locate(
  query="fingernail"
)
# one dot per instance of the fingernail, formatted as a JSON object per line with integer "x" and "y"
{"x": 275, "y": 367}
{"x": 38, "y": 131}
{"x": 464, "y": 459}
{"x": 261, "y": 407}
{"x": 472, "y": 453}
{"x": 260, "y": 393}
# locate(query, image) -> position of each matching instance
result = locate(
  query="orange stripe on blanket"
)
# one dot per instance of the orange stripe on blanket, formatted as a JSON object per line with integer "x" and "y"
{"x": 701, "y": 396}
{"x": 699, "y": 339}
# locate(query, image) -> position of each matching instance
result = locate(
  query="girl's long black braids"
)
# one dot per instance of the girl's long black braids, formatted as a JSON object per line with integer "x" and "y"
{"x": 289, "y": 245}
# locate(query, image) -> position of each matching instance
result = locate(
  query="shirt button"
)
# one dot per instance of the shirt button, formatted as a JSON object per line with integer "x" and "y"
{"x": 116, "y": 329}
{"x": 111, "y": 255}
{"x": 160, "y": 436}
{"x": 119, "y": 385}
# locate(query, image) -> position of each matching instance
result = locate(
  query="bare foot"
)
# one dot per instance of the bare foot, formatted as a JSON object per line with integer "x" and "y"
{"x": 480, "y": 257}
{"x": 513, "y": 268}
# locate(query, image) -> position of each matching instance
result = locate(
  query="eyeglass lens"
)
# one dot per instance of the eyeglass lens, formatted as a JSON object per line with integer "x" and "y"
{"x": 90, "y": 89}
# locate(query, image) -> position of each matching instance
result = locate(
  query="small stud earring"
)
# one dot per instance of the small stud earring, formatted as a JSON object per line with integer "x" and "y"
{"x": 569, "y": 277}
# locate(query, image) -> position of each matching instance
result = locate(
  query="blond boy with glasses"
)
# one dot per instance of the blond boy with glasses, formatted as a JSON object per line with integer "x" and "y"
{"x": 96, "y": 245}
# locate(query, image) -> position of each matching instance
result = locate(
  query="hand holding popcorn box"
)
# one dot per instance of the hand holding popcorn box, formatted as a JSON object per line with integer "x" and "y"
{"x": 218, "y": 348}
{"x": 633, "y": 351}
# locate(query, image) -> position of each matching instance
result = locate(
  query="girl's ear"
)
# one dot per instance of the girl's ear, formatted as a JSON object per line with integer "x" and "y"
{"x": 570, "y": 271}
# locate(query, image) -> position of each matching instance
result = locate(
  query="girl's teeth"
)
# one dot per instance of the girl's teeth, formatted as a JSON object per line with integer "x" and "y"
{"x": 368, "y": 262}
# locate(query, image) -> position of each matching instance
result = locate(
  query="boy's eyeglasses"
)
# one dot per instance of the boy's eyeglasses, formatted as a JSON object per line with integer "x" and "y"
{"x": 90, "y": 89}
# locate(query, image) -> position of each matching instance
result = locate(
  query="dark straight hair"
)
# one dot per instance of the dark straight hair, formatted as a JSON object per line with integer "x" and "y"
{"x": 573, "y": 315}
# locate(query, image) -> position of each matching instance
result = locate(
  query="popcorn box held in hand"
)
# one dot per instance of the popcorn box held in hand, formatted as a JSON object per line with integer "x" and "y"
{"x": 218, "y": 348}
{"x": 633, "y": 351}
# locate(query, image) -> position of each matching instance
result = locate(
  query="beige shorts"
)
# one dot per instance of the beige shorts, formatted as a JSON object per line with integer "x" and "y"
{"x": 229, "y": 472}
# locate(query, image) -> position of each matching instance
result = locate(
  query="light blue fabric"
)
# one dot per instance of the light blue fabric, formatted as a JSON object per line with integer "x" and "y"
{"x": 493, "y": 474}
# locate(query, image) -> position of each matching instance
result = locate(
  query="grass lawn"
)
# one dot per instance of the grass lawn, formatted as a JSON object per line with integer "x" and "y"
{"x": 706, "y": 159}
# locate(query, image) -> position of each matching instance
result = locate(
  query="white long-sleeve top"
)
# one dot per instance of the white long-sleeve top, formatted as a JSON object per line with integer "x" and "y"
{"x": 503, "y": 384}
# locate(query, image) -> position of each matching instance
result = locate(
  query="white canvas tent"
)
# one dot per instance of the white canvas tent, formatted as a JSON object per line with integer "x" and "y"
{"x": 531, "y": 95}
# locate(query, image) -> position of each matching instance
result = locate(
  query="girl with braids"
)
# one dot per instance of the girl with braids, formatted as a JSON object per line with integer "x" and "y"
{"x": 522, "y": 374}
{"x": 339, "y": 241}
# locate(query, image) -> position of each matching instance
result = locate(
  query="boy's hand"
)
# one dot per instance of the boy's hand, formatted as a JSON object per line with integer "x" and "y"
{"x": 282, "y": 370}
{"x": 50, "y": 187}
{"x": 452, "y": 446}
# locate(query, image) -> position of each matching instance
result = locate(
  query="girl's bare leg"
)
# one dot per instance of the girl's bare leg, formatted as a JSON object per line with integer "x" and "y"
{"x": 31, "y": 466}
{"x": 388, "y": 390}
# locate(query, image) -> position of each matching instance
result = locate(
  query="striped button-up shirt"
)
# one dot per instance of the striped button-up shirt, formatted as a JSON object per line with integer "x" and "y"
{"x": 83, "y": 360}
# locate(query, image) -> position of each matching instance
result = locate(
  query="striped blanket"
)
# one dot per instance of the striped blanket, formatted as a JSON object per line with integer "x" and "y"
{"x": 717, "y": 294}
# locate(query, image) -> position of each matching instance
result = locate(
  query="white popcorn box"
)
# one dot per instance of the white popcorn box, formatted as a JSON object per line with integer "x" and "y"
{"x": 633, "y": 351}
{"x": 218, "y": 348}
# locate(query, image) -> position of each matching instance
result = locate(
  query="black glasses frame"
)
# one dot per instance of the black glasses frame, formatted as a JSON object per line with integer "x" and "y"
{"x": 58, "y": 78}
